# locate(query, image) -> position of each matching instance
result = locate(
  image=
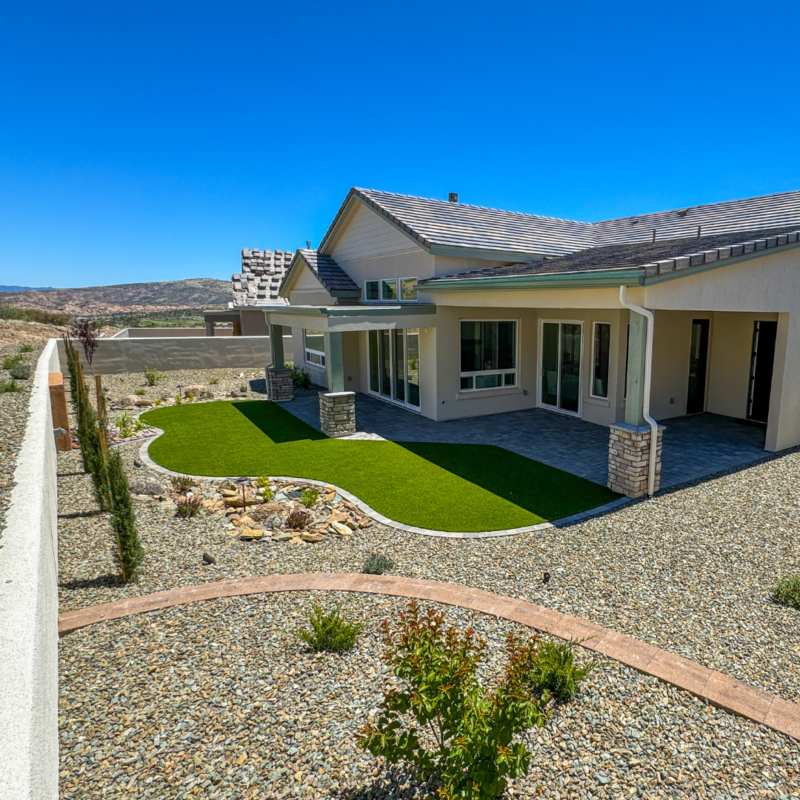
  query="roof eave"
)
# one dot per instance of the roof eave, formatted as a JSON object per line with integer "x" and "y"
{"x": 571, "y": 280}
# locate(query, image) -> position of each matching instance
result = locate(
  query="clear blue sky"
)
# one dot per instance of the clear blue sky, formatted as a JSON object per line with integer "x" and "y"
{"x": 152, "y": 141}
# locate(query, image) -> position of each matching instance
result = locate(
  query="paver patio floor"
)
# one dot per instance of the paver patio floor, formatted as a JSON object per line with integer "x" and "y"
{"x": 694, "y": 446}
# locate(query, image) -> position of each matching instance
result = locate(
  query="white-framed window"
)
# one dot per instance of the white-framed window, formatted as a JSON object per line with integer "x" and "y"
{"x": 601, "y": 356}
{"x": 315, "y": 347}
{"x": 389, "y": 290}
{"x": 372, "y": 292}
{"x": 488, "y": 354}
{"x": 408, "y": 292}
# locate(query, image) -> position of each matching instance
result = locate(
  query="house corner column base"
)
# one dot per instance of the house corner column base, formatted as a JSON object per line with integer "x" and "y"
{"x": 629, "y": 459}
{"x": 279, "y": 384}
{"x": 337, "y": 413}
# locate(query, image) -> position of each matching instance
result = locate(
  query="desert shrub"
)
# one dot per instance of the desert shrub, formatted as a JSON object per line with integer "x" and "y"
{"x": 138, "y": 425}
{"x": 10, "y": 386}
{"x": 20, "y": 372}
{"x": 158, "y": 402}
{"x": 178, "y": 399}
{"x": 33, "y": 315}
{"x": 124, "y": 423}
{"x": 297, "y": 520}
{"x": 190, "y": 398}
{"x": 152, "y": 377}
{"x": 181, "y": 483}
{"x": 11, "y": 361}
{"x": 243, "y": 388}
{"x": 440, "y": 717}
{"x": 190, "y": 507}
{"x": 300, "y": 378}
{"x": 26, "y": 348}
{"x": 787, "y": 592}
{"x": 264, "y": 488}
{"x": 329, "y": 632}
{"x": 140, "y": 392}
{"x": 557, "y": 673}
{"x": 130, "y": 553}
{"x": 213, "y": 381}
{"x": 309, "y": 497}
{"x": 377, "y": 564}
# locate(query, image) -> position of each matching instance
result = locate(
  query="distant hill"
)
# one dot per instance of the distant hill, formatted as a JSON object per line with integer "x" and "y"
{"x": 126, "y": 297}
{"x": 24, "y": 288}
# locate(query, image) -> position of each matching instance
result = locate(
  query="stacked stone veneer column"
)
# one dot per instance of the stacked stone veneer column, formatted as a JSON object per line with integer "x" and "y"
{"x": 337, "y": 413}
{"x": 629, "y": 459}
{"x": 279, "y": 384}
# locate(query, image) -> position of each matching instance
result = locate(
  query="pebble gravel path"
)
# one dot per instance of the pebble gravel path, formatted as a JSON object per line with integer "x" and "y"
{"x": 219, "y": 700}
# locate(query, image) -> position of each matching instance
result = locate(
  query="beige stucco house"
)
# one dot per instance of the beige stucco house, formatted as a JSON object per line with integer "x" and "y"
{"x": 451, "y": 310}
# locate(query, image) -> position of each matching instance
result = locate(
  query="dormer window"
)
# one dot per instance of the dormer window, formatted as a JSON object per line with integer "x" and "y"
{"x": 390, "y": 290}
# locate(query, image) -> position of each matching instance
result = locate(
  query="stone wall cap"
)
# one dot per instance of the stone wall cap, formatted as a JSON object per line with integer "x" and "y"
{"x": 337, "y": 394}
{"x": 633, "y": 428}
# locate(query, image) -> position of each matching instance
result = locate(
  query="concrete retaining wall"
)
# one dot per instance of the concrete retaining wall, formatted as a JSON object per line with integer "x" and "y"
{"x": 171, "y": 333}
{"x": 115, "y": 356}
{"x": 29, "y": 609}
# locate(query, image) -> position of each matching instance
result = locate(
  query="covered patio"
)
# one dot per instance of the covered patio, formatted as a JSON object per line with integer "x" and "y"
{"x": 695, "y": 447}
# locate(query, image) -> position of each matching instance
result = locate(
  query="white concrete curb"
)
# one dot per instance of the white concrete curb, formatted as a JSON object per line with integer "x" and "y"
{"x": 144, "y": 455}
{"x": 29, "y": 608}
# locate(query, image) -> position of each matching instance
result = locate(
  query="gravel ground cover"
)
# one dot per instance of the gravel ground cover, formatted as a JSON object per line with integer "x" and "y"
{"x": 219, "y": 700}
{"x": 691, "y": 572}
{"x": 14, "y": 416}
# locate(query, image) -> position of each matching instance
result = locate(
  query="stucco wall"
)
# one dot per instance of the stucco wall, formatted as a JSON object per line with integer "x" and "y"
{"x": 254, "y": 323}
{"x": 29, "y": 609}
{"x": 160, "y": 333}
{"x": 306, "y": 290}
{"x": 115, "y": 356}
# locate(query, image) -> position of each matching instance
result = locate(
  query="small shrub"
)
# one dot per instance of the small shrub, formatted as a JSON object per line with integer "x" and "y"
{"x": 190, "y": 507}
{"x": 555, "y": 671}
{"x": 152, "y": 377}
{"x": 264, "y": 487}
{"x": 190, "y": 398}
{"x": 158, "y": 402}
{"x": 11, "y": 361}
{"x": 124, "y": 423}
{"x": 213, "y": 381}
{"x": 139, "y": 425}
{"x": 442, "y": 719}
{"x": 243, "y": 388}
{"x": 297, "y": 520}
{"x": 10, "y": 386}
{"x": 787, "y": 592}
{"x": 178, "y": 399}
{"x": 181, "y": 483}
{"x": 300, "y": 378}
{"x": 20, "y": 372}
{"x": 26, "y": 348}
{"x": 309, "y": 497}
{"x": 141, "y": 392}
{"x": 329, "y": 632}
{"x": 377, "y": 564}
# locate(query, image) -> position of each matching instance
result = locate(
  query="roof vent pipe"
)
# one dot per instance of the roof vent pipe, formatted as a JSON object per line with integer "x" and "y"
{"x": 308, "y": 244}
{"x": 648, "y": 372}
{"x": 452, "y": 197}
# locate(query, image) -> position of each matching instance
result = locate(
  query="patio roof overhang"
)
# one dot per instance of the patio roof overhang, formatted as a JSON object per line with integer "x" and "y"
{"x": 341, "y": 319}
{"x": 590, "y": 279}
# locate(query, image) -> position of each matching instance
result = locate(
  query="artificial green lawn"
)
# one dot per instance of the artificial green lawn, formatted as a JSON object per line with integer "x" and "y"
{"x": 450, "y": 487}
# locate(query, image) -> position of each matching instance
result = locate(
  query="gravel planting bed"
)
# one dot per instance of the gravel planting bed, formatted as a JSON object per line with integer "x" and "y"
{"x": 14, "y": 416}
{"x": 691, "y": 572}
{"x": 218, "y": 700}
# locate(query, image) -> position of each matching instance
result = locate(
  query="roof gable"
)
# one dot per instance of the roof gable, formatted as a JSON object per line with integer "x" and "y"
{"x": 330, "y": 275}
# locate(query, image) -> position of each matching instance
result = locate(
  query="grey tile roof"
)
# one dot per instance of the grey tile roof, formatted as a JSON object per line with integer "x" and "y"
{"x": 440, "y": 224}
{"x": 261, "y": 277}
{"x": 655, "y": 259}
{"x": 330, "y": 274}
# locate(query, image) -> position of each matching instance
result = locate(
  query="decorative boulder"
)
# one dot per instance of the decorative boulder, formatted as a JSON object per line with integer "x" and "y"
{"x": 146, "y": 485}
{"x": 195, "y": 390}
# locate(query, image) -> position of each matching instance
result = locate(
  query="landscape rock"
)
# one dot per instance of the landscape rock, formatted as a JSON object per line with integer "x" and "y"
{"x": 209, "y": 559}
{"x": 146, "y": 485}
{"x": 311, "y": 537}
{"x": 341, "y": 529}
{"x": 195, "y": 390}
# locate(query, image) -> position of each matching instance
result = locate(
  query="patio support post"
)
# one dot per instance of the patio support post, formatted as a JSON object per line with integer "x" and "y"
{"x": 334, "y": 362}
{"x": 634, "y": 395}
{"x": 209, "y": 328}
{"x": 279, "y": 376}
{"x": 337, "y": 408}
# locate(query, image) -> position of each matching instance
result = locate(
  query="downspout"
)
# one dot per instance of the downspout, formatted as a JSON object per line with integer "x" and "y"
{"x": 648, "y": 371}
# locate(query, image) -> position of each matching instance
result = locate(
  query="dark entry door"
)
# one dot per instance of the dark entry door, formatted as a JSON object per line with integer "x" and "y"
{"x": 698, "y": 367}
{"x": 761, "y": 363}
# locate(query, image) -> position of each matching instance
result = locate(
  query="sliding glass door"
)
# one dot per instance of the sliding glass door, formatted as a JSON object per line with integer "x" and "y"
{"x": 394, "y": 365}
{"x": 561, "y": 346}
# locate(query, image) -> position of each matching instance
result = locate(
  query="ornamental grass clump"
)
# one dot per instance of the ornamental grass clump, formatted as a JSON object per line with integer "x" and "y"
{"x": 10, "y": 386}
{"x": 329, "y": 632}
{"x": 787, "y": 592}
{"x": 26, "y": 348}
{"x": 190, "y": 507}
{"x": 11, "y": 362}
{"x": 441, "y": 719}
{"x": 556, "y": 672}
{"x": 181, "y": 483}
{"x": 377, "y": 564}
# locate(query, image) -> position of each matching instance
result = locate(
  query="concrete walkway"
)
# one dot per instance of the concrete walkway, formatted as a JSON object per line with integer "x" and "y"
{"x": 694, "y": 447}
{"x": 720, "y": 690}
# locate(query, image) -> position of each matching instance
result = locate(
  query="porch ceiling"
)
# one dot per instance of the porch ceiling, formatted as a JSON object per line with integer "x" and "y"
{"x": 353, "y": 318}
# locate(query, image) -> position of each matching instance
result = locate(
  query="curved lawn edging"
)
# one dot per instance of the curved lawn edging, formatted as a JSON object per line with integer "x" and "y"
{"x": 720, "y": 690}
{"x": 144, "y": 455}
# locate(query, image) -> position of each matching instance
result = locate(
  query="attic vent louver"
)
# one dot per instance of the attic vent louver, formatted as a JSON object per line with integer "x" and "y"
{"x": 683, "y": 212}
{"x": 452, "y": 197}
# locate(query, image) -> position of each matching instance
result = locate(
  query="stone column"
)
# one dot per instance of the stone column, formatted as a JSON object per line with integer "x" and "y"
{"x": 279, "y": 384}
{"x": 629, "y": 459}
{"x": 337, "y": 413}
{"x": 58, "y": 407}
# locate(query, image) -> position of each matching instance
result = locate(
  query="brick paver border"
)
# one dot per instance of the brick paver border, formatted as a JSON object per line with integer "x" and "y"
{"x": 720, "y": 690}
{"x": 144, "y": 455}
